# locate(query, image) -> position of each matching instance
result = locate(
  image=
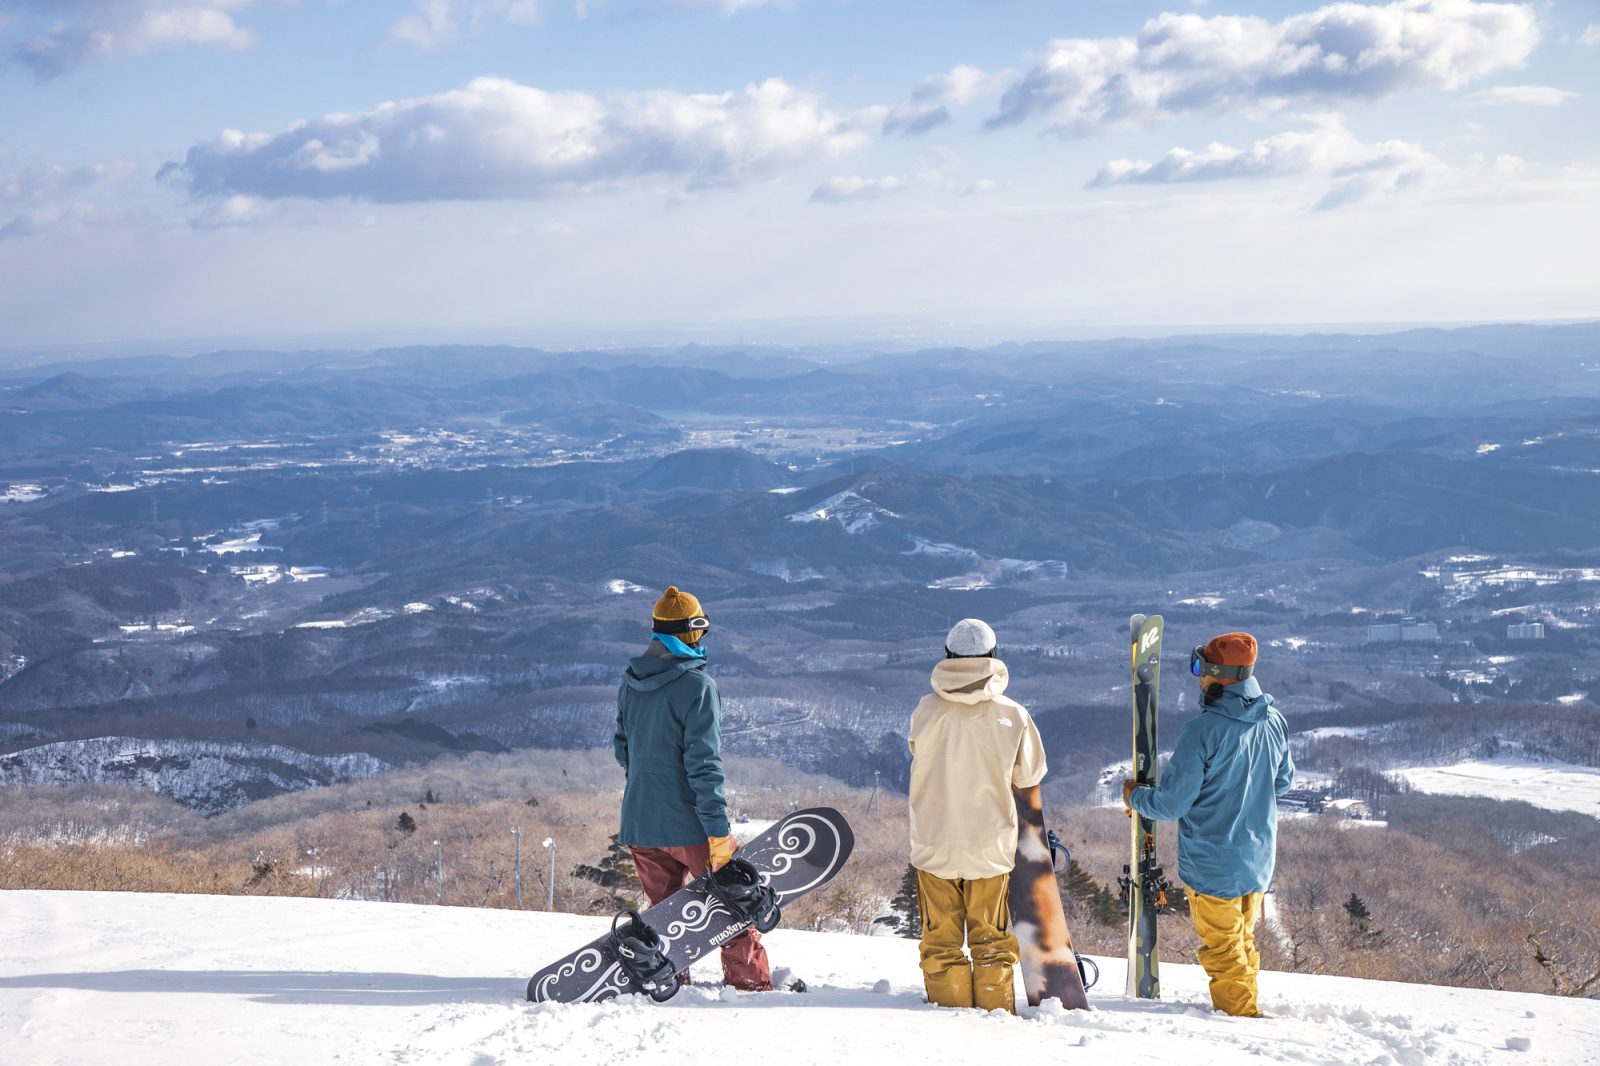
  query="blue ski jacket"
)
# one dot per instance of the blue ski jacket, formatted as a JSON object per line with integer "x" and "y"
{"x": 669, "y": 742}
{"x": 1221, "y": 786}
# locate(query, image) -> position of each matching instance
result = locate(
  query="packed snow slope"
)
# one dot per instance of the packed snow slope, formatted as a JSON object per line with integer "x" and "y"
{"x": 140, "y": 980}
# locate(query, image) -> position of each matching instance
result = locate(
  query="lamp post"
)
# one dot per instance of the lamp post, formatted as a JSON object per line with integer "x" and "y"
{"x": 550, "y": 884}
{"x": 438, "y": 869}
{"x": 518, "y": 834}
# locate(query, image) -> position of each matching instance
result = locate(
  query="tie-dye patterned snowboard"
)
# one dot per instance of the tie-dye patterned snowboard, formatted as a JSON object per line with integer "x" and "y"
{"x": 800, "y": 853}
{"x": 1049, "y": 965}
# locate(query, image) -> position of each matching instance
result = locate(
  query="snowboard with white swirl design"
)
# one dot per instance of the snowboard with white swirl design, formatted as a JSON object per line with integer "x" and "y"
{"x": 800, "y": 853}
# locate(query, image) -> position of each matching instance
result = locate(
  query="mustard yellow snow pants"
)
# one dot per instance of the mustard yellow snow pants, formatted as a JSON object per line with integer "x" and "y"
{"x": 975, "y": 912}
{"x": 1227, "y": 929}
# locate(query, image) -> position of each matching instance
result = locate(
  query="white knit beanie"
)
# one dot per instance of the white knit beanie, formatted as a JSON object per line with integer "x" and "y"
{"x": 970, "y": 638}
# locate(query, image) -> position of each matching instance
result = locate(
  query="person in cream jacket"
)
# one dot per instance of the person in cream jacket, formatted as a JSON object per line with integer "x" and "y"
{"x": 970, "y": 747}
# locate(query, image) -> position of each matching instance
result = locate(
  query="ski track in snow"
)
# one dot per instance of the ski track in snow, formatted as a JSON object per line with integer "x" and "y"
{"x": 144, "y": 979}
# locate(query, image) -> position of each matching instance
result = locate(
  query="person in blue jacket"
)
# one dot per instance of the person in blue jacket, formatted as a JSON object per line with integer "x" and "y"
{"x": 668, "y": 741}
{"x": 1221, "y": 786}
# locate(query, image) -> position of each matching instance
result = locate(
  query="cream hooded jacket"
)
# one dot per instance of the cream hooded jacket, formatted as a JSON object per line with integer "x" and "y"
{"x": 970, "y": 746}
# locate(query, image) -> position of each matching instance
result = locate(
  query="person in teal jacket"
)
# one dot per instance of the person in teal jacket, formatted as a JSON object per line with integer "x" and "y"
{"x": 1221, "y": 786}
{"x": 668, "y": 741}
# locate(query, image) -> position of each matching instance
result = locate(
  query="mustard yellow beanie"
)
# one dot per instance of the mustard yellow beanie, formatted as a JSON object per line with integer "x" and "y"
{"x": 678, "y": 613}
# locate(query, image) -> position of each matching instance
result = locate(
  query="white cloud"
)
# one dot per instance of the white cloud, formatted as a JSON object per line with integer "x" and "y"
{"x": 87, "y": 31}
{"x": 55, "y": 198}
{"x": 583, "y": 9}
{"x": 912, "y": 119}
{"x": 1328, "y": 147}
{"x": 1184, "y": 63}
{"x": 843, "y": 190}
{"x": 1359, "y": 171}
{"x": 429, "y": 26}
{"x": 435, "y": 23}
{"x": 1590, "y": 35}
{"x": 497, "y": 139}
{"x": 229, "y": 211}
{"x": 960, "y": 85}
{"x": 1525, "y": 95}
{"x": 930, "y": 103}
{"x": 940, "y": 173}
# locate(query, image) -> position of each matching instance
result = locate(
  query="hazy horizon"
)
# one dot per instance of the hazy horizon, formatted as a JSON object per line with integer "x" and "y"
{"x": 819, "y": 335}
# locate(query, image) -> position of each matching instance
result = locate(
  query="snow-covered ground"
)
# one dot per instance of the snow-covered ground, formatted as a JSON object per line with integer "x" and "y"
{"x": 1554, "y": 786}
{"x": 98, "y": 978}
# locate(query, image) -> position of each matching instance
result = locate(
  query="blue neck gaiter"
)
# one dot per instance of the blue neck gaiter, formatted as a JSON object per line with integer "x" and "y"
{"x": 678, "y": 647}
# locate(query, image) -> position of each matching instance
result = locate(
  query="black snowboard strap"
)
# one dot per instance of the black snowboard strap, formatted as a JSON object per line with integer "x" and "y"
{"x": 1060, "y": 856}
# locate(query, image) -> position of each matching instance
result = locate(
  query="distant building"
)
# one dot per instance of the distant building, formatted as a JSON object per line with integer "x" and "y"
{"x": 1303, "y": 801}
{"x": 1407, "y": 629}
{"x": 1350, "y": 808}
{"x": 1525, "y": 631}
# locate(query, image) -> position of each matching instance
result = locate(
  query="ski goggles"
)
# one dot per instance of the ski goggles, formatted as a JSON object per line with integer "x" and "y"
{"x": 679, "y": 626}
{"x": 1200, "y": 666}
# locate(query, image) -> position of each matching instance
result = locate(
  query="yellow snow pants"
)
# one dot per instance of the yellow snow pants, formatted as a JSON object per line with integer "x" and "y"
{"x": 1227, "y": 929}
{"x": 973, "y": 911}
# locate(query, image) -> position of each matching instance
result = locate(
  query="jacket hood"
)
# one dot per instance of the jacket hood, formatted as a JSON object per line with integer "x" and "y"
{"x": 970, "y": 680}
{"x": 1244, "y": 701}
{"x": 647, "y": 673}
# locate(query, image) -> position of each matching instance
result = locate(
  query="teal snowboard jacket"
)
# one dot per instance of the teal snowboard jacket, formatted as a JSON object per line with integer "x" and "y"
{"x": 669, "y": 742}
{"x": 1221, "y": 786}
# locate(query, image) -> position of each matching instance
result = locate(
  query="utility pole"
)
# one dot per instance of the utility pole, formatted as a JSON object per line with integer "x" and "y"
{"x": 872, "y": 802}
{"x": 518, "y": 834}
{"x": 550, "y": 885}
{"x": 438, "y": 869}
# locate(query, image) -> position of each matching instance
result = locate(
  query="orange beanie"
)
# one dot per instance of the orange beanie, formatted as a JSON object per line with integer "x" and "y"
{"x": 1230, "y": 649}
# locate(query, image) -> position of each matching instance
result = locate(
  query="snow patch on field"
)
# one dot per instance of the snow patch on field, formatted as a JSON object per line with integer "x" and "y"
{"x": 1322, "y": 732}
{"x": 250, "y": 542}
{"x": 1553, "y": 786}
{"x": 21, "y": 492}
{"x": 273, "y": 573}
{"x": 365, "y": 616}
{"x": 90, "y": 978}
{"x": 854, "y": 513}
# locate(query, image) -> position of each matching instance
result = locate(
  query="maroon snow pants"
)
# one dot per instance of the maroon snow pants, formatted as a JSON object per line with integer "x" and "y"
{"x": 662, "y": 871}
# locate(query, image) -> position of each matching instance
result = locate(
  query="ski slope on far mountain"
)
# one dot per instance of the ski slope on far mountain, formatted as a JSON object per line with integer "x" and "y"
{"x": 140, "y": 980}
{"x": 1554, "y": 786}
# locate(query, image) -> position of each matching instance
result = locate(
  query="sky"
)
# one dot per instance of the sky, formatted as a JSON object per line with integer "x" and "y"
{"x": 624, "y": 171}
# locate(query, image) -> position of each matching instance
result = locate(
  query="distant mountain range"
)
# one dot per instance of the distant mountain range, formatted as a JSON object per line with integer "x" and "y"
{"x": 411, "y": 551}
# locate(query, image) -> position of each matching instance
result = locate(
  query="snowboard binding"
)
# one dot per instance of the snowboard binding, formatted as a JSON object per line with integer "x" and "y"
{"x": 738, "y": 886}
{"x": 641, "y": 954}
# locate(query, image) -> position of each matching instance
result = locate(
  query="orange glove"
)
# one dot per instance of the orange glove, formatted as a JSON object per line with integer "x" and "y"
{"x": 721, "y": 851}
